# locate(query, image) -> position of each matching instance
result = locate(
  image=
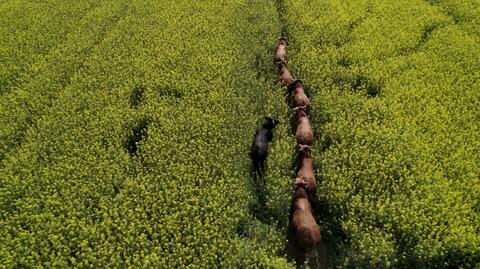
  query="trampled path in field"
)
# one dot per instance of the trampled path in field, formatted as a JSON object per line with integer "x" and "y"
{"x": 322, "y": 255}
{"x": 312, "y": 256}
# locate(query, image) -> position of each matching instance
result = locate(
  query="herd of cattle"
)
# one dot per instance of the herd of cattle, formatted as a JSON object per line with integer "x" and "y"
{"x": 307, "y": 232}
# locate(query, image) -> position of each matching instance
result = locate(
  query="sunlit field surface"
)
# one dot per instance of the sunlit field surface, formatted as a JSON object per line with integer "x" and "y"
{"x": 125, "y": 131}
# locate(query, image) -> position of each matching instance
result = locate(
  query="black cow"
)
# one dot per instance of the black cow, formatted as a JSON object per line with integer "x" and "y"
{"x": 259, "y": 149}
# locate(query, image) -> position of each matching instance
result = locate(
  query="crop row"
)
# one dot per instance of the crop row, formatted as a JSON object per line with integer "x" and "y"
{"x": 395, "y": 103}
{"x": 136, "y": 150}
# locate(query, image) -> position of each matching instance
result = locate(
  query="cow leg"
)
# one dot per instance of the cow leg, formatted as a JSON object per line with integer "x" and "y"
{"x": 262, "y": 167}
{"x": 255, "y": 171}
{"x": 301, "y": 257}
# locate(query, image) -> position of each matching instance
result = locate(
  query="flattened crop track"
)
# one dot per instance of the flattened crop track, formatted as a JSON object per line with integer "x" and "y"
{"x": 304, "y": 232}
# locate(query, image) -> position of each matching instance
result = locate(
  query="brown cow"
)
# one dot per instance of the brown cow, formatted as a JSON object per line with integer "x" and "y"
{"x": 305, "y": 171}
{"x": 304, "y": 133}
{"x": 285, "y": 76}
{"x": 299, "y": 96}
{"x": 281, "y": 52}
{"x": 307, "y": 232}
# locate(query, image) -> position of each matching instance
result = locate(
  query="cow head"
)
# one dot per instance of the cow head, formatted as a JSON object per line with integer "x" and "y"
{"x": 270, "y": 122}
{"x": 300, "y": 188}
{"x": 297, "y": 82}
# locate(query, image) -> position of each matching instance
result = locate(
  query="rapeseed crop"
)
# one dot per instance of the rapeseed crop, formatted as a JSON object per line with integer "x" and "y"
{"x": 395, "y": 99}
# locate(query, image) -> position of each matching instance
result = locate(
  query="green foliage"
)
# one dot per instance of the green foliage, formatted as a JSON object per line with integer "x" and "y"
{"x": 187, "y": 83}
{"x": 125, "y": 129}
{"x": 30, "y": 29}
{"x": 395, "y": 92}
{"x": 53, "y": 71}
